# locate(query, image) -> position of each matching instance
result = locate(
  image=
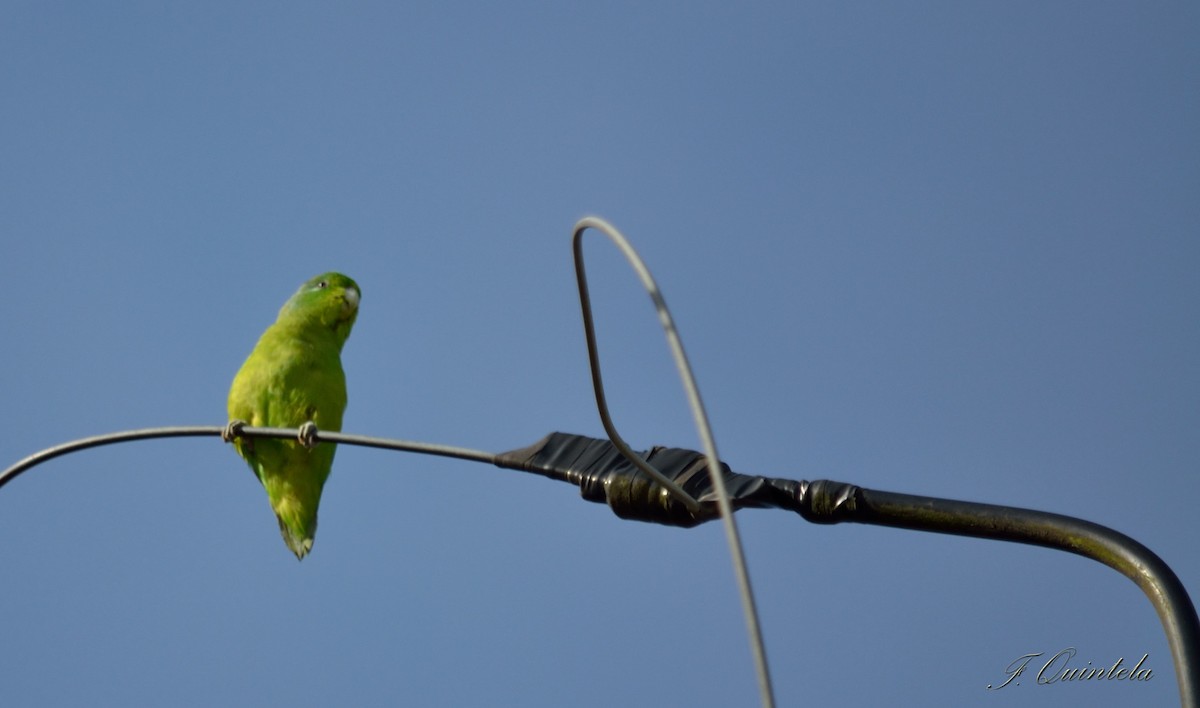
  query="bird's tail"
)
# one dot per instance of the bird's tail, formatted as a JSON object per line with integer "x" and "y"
{"x": 297, "y": 521}
{"x": 298, "y": 541}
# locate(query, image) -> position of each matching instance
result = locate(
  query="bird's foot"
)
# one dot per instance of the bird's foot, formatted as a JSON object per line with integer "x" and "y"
{"x": 233, "y": 430}
{"x": 308, "y": 435}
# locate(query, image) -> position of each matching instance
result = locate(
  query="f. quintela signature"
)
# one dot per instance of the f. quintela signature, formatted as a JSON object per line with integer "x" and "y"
{"x": 1058, "y": 669}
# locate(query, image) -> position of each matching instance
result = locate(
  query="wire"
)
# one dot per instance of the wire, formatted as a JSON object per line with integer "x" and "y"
{"x": 753, "y": 626}
{"x": 589, "y": 330}
{"x": 35, "y": 459}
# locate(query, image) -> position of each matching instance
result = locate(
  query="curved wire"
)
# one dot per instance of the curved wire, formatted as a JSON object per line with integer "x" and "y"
{"x": 589, "y": 330}
{"x": 699, "y": 415}
{"x": 185, "y": 431}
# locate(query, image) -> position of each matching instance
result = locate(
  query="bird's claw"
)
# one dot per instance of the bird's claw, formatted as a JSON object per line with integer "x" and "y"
{"x": 308, "y": 435}
{"x": 233, "y": 430}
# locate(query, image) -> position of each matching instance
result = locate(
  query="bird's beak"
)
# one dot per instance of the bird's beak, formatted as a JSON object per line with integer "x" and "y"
{"x": 351, "y": 295}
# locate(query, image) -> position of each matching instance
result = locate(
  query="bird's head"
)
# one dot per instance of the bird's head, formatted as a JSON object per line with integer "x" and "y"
{"x": 329, "y": 300}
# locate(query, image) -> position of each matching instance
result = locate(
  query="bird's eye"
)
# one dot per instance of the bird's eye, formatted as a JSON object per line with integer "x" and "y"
{"x": 323, "y": 284}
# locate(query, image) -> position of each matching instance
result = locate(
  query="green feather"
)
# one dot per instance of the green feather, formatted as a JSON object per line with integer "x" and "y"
{"x": 293, "y": 376}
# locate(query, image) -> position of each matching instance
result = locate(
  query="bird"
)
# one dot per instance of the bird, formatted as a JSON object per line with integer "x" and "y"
{"x": 293, "y": 378}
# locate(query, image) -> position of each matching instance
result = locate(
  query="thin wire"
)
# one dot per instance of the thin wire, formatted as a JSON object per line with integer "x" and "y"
{"x": 35, "y": 459}
{"x": 753, "y": 627}
{"x": 589, "y": 330}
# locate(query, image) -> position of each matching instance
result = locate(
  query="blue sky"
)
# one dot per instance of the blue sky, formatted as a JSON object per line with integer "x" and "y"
{"x": 936, "y": 248}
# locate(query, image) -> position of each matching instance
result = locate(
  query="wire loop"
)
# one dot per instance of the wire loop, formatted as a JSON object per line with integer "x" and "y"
{"x": 753, "y": 627}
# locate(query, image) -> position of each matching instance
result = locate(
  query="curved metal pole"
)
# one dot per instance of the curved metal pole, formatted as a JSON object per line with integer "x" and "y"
{"x": 829, "y": 502}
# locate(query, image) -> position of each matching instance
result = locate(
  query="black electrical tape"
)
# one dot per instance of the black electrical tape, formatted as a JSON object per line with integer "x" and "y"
{"x": 604, "y": 475}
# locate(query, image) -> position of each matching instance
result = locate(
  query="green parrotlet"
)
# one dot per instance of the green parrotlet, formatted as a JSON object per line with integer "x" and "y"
{"x": 294, "y": 379}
